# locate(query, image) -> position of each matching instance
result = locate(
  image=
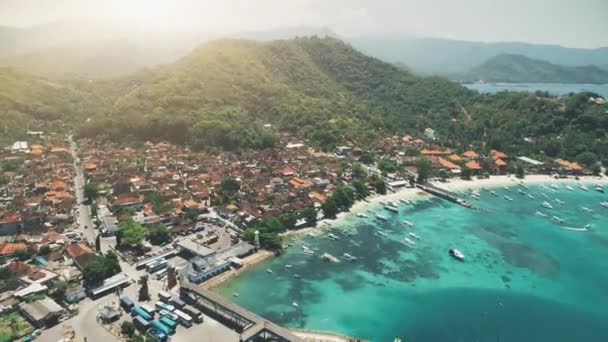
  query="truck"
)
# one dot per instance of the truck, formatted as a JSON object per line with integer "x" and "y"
{"x": 141, "y": 324}
{"x": 193, "y": 312}
{"x": 164, "y": 296}
{"x": 126, "y": 303}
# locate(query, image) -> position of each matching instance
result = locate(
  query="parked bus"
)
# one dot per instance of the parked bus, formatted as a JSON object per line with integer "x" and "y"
{"x": 141, "y": 324}
{"x": 184, "y": 318}
{"x": 160, "y": 274}
{"x": 161, "y": 327}
{"x": 171, "y": 324}
{"x": 147, "y": 308}
{"x": 157, "y": 335}
{"x": 178, "y": 303}
{"x": 161, "y": 306}
{"x": 126, "y": 303}
{"x": 153, "y": 263}
{"x": 157, "y": 266}
{"x": 138, "y": 311}
{"x": 170, "y": 315}
{"x": 164, "y": 296}
{"x": 193, "y": 312}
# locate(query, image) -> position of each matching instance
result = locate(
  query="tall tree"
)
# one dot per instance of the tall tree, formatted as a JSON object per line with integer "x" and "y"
{"x": 423, "y": 168}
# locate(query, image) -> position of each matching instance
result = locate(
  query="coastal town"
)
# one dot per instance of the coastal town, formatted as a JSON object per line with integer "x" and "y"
{"x": 103, "y": 241}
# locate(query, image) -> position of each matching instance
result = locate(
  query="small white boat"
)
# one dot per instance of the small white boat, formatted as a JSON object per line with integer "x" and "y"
{"x": 559, "y": 201}
{"x": 508, "y": 198}
{"x": 333, "y": 237}
{"x": 530, "y": 196}
{"x": 362, "y": 215}
{"x": 493, "y": 193}
{"x": 569, "y": 188}
{"x": 391, "y": 208}
{"x": 545, "y": 195}
{"x": 414, "y": 236}
{"x": 521, "y": 192}
{"x": 408, "y": 223}
{"x": 547, "y": 205}
{"x": 540, "y": 213}
{"x": 268, "y": 270}
{"x": 554, "y": 186}
{"x": 381, "y": 233}
{"x": 583, "y": 187}
{"x": 585, "y": 209}
{"x": 405, "y": 201}
{"x": 288, "y": 266}
{"x": 308, "y": 252}
{"x": 329, "y": 257}
{"x": 297, "y": 276}
{"x": 604, "y": 204}
{"x": 506, "y": 188}
{"x": 349, "y": 257}
{"x": 381, "y": 218}
{"x": 409, "y": 241}
{"x": 544, "y": 186}
{"x": 456, "y": 254}
{"x": 236, "y": 294}
{"x": 382, "y": 202}
{"x": 599, "y": 189}
{"x": 557, "y": 219}
{"x": 295, "y": 304}
{"x": 475, "y": 196}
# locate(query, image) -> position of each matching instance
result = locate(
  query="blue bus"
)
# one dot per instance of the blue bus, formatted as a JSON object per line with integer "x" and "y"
{"x": 157, "y": 335}
{"x": 141, "y": 324}
{"x": 138, "y": 311}
{"x": 157, "y": 325}
{"x": 169, "y": 315}
{"x": 171, "y": 324}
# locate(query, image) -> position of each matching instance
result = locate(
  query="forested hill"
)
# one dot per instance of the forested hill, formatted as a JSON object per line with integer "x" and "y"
{"x": 321, "y": 88}
{"x": 518, "y": 68}
{"x": 28, "y": 102}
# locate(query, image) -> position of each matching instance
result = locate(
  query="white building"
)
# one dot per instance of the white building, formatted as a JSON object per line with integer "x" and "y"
{"x": 20, "y": 146}
{"x": 429, "y": 133}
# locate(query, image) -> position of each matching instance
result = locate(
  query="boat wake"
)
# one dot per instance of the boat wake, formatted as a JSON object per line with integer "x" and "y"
{"x": 576, "y": 229}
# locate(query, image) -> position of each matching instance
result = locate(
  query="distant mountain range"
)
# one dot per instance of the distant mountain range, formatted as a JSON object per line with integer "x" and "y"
{"x": 449, "y": 57}
{"x": 521, "y": 69}
{"x": 75, "y": 49}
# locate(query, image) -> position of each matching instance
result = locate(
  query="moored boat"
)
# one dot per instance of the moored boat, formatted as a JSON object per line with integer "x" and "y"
{"x": 268, "y": 270}
{"x": 381, "y": 218}
{"x": 599, "y": 188}
{"x": 508, "y": 198}
{"x": 547, "y": 205}
{"x": 391, "y": 208}
{"x": 557, "y": 219}
{"x": 362, "y": 215}
{"x": 456, "y": 254}
{"x": 540, "y": 213}
{"x": 408, "y": 223}
{"x": 409, "y": 241}
{"x": 349, "y": 257}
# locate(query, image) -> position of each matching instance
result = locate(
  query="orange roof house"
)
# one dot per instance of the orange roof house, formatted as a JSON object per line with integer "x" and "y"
{"x": 498, "y": 154}
{"x": 428, "y": 152}
{"x": 317, "y": 197}
{"x": 455, "y": 157}
{"x": 500, "y": 163}
{"x": 59, "y": 150}
{"x": 471, "y": 154}
{"x": 8, "y": 248}
{"x": 77, "y": 249}
{"x": 446, "y": 164}
{"x": 288, "y": 171}
{"x": 58, "y": 185}
{"x": 569, "y": 165}
{"x": 473, "y": 165}
{"x": 88, "y": 166}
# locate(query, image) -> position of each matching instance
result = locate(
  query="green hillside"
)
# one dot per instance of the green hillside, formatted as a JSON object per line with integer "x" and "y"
{"x": 320, "y": 89}
{"x": 517, "y": 69}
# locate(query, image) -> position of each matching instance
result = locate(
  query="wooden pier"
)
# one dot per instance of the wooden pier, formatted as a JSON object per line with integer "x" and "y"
{"x": 449, "y": 196}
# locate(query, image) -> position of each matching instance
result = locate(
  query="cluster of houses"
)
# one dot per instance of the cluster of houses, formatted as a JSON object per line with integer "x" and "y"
{"x": 38, "y": 247}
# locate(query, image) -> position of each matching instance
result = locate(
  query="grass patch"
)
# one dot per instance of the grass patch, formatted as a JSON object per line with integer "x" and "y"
{"x": 13, "y": 326}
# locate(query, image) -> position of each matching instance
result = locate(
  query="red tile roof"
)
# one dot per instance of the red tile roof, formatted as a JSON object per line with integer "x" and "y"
{"x": 8, "y": 248}
{"x": 77, "y": 249}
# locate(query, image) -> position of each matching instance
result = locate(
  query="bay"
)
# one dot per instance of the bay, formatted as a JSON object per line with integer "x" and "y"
{"x": 525, "y": 278}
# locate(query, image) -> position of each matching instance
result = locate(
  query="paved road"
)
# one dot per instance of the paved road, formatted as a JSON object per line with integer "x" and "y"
{"x": 86, "y": 224}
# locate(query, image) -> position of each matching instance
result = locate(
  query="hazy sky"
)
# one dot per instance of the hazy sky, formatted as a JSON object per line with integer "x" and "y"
{"x": 576, "y": 23}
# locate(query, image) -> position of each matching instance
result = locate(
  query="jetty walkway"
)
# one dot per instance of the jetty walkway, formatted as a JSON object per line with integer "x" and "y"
{"x": 449, "y": 196}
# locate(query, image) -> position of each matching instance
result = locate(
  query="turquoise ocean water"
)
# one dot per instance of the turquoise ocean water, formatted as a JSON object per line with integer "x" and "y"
{"x": 552, "y": 88}
{"x": 525, "y": 278}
